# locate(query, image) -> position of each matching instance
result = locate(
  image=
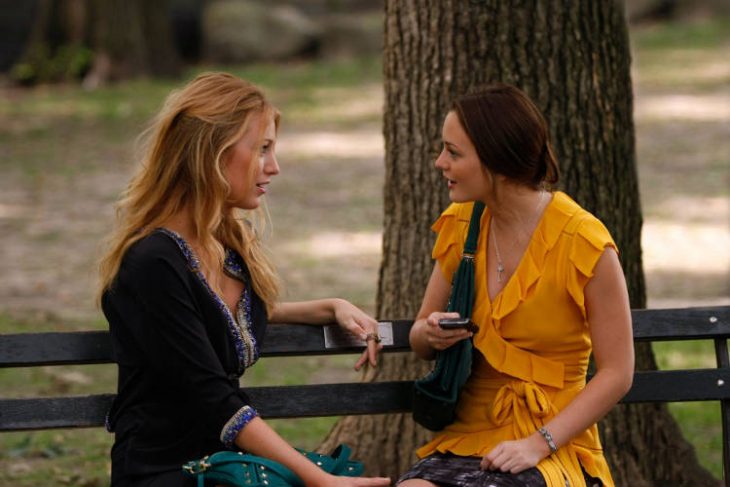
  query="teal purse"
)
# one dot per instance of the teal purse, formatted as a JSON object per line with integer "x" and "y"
{"x": 238, "y": 469}
{"x": 435, "y": 395}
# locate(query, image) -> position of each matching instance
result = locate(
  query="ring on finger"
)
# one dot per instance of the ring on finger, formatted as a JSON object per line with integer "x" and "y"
{"x": 374, "y": 337}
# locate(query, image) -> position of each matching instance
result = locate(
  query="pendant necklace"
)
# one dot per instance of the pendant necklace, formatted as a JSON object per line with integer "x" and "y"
{"x": 500, "y": 263}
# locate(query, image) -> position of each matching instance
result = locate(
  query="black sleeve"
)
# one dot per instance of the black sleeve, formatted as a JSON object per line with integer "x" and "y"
{"x": 162, "y": 319}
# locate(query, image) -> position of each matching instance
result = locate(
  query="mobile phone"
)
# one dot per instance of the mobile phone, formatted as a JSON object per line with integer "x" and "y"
{"x": 458, "y": 323}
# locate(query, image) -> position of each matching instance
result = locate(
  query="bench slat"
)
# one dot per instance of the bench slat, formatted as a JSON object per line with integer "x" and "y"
{"x": 271, "y": 402}
{"x": 54, "y": 412}
{"x": 286, "y": 340}
{"x": 90, "y": 347}
{"x": 679, "y": 386}
{"x": 342, "y": 399}
{"x": 94, "y": 347}
{"x": 687, "y": 323}
{"x": 33, "y": 349}
{"x": 332, "y": 399}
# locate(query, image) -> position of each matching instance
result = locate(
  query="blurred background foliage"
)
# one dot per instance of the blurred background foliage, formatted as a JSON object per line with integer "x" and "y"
{"x": 98, "y": 41}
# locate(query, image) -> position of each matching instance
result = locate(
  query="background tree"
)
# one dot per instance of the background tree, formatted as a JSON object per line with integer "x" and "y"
{"x": 573, "y": 59}
{"x": 100, "y": 40}
{"x": 132, "y": 38}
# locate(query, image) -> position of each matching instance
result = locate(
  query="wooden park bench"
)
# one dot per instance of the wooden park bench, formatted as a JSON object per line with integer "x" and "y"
{"x": 94, "y": 347}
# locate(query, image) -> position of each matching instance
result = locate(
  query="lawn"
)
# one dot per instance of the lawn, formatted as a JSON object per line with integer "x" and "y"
{"x": 67, "y": 153}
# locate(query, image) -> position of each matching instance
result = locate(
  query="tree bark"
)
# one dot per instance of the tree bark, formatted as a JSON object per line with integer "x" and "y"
{"x": 132, "y": 38}
{"x": 573, "y": 60}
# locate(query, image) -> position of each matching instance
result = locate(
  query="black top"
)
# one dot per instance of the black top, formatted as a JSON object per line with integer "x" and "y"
{"x": 180, "y": 353}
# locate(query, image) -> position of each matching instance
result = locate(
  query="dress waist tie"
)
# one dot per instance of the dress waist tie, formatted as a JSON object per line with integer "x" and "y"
{"x": 529, "y": 407}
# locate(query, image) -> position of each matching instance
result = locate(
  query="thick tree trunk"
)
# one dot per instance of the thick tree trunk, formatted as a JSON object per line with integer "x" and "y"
{"x": 573, "y": 60}
{"x": 132, "y": 38}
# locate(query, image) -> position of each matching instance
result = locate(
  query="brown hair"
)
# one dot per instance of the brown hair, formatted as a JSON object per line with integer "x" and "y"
{"x": 509, "y": 133}
{"x": 185, "y": 148}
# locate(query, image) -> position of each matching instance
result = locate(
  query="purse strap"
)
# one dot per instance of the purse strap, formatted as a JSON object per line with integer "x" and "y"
{"x": 338, "y": 463}
{"x": 472, "y": 237}
{"x": 462, "y": 288}
{"x": 199, "y": 468}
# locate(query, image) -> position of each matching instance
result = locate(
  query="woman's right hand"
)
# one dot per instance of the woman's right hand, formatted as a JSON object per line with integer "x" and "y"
{"x": 438, "y": 338}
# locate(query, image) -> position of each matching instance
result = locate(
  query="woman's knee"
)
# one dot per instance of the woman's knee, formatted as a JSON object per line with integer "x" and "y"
{"x": 416, "y": 483}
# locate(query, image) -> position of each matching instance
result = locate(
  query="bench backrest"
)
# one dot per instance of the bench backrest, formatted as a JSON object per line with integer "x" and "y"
{"x": 93, "y": 347}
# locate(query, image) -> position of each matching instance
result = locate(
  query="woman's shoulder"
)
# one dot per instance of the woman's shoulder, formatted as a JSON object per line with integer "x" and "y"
{"x": 460, "y": 211}
{"x": 153, "y": 252}
{"x": 451, "y": 228}
{"x": 455, "y": 213}
{"x": 579, "y": 220}
{"x": 585, "y": 235}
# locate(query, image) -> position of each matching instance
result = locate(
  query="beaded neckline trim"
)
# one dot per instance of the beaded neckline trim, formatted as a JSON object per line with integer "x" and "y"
{"x": 239, "y": 326}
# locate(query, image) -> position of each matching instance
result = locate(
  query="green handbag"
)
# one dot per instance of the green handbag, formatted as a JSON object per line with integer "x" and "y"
{"x": 238, "y": 469}
{"x": 436, "y": 394}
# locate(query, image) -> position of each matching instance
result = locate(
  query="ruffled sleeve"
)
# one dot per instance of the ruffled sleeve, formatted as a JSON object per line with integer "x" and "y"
{"x": 451, "y": 227}
{"x": 589, "y": 241}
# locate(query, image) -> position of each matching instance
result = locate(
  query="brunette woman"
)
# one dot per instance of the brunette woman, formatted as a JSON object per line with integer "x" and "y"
{"x": 549, "y": 291}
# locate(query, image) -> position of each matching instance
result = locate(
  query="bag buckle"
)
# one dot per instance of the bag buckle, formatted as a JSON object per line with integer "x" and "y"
{"x": 200, "y": 466}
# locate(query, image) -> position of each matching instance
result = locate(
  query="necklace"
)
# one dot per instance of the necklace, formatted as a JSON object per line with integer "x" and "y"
{"x": 500, "y": 263}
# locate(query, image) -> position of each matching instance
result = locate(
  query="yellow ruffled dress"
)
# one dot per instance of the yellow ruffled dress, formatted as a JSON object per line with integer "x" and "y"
{"x": 533, "y": 340}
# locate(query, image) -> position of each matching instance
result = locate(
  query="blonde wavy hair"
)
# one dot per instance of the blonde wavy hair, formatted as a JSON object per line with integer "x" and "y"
{"x": 186, "y": 145}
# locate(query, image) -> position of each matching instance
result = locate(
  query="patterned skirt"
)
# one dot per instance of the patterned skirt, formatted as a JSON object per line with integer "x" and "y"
{"x": 449, "y": 470}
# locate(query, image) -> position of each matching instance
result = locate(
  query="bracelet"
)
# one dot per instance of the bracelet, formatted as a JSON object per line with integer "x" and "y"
{"x": 549, "y": 439}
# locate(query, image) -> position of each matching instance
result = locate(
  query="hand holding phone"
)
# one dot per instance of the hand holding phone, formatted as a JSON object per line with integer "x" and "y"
{"x": 457, "y": 324}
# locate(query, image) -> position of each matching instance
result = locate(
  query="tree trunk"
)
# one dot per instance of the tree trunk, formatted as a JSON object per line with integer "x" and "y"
{"x": 54, "y": 50}
{"x": 129, "y": 38}
{"x": 573, "y": 60}
{"x": 132, "y": 38}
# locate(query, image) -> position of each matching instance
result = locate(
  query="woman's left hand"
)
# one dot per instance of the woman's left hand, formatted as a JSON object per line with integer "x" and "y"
{"x": 357, "y": 322}
{"x": 516, "y": 456}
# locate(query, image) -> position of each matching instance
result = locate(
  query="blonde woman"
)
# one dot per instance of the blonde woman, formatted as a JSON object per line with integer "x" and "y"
{"x": 188, "y": 291}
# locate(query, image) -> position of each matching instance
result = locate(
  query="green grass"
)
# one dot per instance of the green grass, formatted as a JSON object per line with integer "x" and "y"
{"x": 78, "y": 458}
{"x": 295, "y": 86}
{"x": 700, "y": 422}
{"x": 688, "y": 56}
{"x": 70, "y": 131}
{"x": 702, "y": 34}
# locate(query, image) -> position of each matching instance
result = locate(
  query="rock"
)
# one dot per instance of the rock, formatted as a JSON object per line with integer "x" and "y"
{"x": 244, "y": 31}
{"x": 354, "y": 34}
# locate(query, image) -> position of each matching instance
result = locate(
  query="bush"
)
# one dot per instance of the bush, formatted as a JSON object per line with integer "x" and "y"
{"x": 40, "y": 65}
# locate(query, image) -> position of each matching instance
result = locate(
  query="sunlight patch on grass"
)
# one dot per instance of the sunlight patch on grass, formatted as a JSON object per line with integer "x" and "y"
{"x": 337, "y": 244}
{"x": 324, "y": 145}
{"x": 705, "y": 107}
{"x": 686, "y": 238}
{"x": 13, "y": 211}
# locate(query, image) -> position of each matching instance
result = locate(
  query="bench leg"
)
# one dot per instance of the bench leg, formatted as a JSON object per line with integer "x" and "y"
{"x": 723, "y": 362}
